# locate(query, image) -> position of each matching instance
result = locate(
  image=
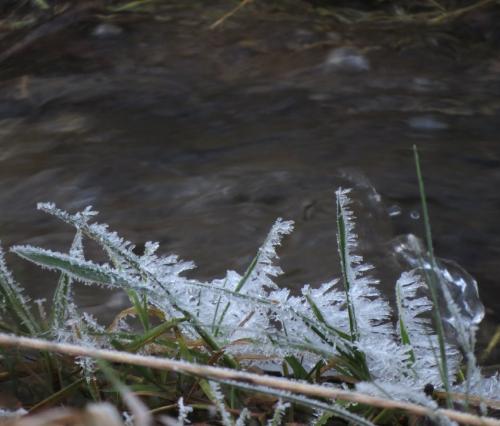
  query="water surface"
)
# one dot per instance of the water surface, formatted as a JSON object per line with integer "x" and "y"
{"x": 200, "y": 138}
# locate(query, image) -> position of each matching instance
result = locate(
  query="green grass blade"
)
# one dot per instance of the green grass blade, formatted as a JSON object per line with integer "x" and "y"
{"x": 322, "y": 419}
{"x": 239, "y": 286}
{"x": 299, "y": 372}
{"x": 116, "y": 248}
{"x": 432, "y": 280}
{"x": 344, "y": 266}
{"x": 80, "y": 269}
{"x": 42, "y": 4}
{"x": 63, "y": 294}
{"x": 320, "y": 317}
{"x": 139, "y": 411}
{"x": 15, "y": 304}
{"x": 141, "y": 306}
{"x": 403, "y": 332}
{"x": 152, "y": 334}
{"x": 58, "y": 396}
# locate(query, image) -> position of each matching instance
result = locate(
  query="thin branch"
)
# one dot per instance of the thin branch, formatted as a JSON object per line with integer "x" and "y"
{"x": 217, "y": 373}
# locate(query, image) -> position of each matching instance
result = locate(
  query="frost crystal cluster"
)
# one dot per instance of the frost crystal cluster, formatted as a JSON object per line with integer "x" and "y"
{"x": 248, "y": 317}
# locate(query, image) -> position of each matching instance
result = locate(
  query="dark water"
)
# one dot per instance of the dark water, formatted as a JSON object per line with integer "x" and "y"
{"x": 200, "y": 139}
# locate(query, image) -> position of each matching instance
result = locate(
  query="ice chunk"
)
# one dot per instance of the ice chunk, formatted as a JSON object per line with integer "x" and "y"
{"x": 462, "y": 286}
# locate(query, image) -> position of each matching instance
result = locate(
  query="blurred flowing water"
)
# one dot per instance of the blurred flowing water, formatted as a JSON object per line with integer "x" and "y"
{"x": 200, "y": 138}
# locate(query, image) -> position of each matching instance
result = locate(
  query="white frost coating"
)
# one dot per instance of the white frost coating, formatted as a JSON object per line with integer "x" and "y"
{"x": 475, "y": 383}
{"x": 11, "y": 287}
{"x": 265, "y": 268}
{"x": 243, "y": 417}
{"x": 465, "y": 333}
{"x": 7, "y": 276}
{"x": 184, "y": 411}
{"x": 248, "y": 315}
{"x": 423, "y": 342}
{"x": 374, "y": 333}
{"x": 218, "y": 400}
{"x": 483, "y": 387}
{"x": 279, "y": 412}
{"x": 369, "y": 312}
{"x": 401, "y": 392}
{"x": 337, "y": 409}
{"x": 16, "y": 413}
{"x": 85, "y": 271}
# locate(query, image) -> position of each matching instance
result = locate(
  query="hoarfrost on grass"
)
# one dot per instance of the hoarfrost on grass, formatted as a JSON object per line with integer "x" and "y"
{"x": 250, "y": 316}
{"x": 184, "y": 411}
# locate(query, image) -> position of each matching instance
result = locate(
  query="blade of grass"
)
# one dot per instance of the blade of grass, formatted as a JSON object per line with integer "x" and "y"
{"x": 115, "y": 249}
{"x": 344, "y": 256}
{"x": 58, "y": 396}
{"x": 153, "y": 334}
{"x": 15, "y": 304}
{"x": 238, "y": 288}
{"x": 491, "y": 345}
{"x": 432, "y": 281}
{"x": 227, "y": 15}
{"x": 131, "y": 6}
{"x": 403, "y": 332}
{"x": 140, "y": 413}
{"x": 42, "y": 4}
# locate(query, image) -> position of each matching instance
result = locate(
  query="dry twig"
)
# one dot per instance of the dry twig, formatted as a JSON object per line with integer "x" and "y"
{"x": 217, "y": 373}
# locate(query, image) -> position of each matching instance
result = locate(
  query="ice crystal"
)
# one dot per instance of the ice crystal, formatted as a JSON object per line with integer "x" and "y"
{"x": 416, "y": 328}
{"x": 250, "y": 316}
{"x": 218, "y": 400}
{"x": 12, "y": 413}
{"x": 184, "y": 411}
{"x": 484, "y": 387}
{"x": 401, "y": 392}
{"x": 369, "y": 313}
{"x": 279, "y": 412}
{"x": 243, "y": 417}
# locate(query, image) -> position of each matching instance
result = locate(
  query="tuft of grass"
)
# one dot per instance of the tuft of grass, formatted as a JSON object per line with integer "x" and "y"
{"x": 172, "y": 350}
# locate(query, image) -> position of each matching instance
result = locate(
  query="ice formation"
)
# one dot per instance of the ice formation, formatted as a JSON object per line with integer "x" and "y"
{"x": 250, "y": 316}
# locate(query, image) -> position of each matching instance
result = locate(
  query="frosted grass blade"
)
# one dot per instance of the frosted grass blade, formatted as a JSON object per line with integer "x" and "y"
{"x": 83, "y": 270}
{"x": 121, "y": 249}
{"x": 15, "y": 302}
{"x": 63, "y": 294}
{"x": 344, "y": 259}
{"x": 279, "y": 412}
{"x": 431, "y": 280}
